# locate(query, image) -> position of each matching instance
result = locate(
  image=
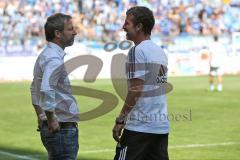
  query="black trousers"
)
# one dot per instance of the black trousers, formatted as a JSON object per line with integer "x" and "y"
{"x": 142, "y": 146}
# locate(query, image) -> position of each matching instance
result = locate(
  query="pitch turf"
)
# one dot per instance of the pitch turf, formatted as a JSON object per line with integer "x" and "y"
{"x": 212, "y": 133}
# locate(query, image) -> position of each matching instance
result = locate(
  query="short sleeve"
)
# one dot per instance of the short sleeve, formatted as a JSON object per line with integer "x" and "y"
{"x": 136, "y": 64}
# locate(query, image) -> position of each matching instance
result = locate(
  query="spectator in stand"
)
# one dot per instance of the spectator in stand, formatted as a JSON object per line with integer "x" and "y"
{"x": 173, "y": 18}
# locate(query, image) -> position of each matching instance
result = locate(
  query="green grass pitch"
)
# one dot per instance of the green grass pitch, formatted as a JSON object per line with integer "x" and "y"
{"x": 211, "y": 134}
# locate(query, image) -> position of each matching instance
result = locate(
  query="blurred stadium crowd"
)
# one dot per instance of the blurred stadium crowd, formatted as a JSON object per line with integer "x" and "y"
{"x": 21, "y": 21}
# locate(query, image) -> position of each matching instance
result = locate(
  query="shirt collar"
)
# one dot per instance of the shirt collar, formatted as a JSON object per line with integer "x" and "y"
{"x": 58, "y": 48}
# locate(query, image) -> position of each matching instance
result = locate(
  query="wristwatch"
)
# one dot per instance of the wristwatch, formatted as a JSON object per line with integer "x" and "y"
{"x": 120, "y": 120}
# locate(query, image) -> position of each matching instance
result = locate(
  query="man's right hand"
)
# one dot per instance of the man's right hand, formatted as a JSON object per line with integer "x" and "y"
{"x": 39, "y": 124}
{"x": 53, "y": 126}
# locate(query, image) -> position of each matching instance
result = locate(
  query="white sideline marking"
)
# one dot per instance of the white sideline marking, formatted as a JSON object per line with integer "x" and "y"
{"x": 205, "y": 145}
{"x": 96, "y": 151}
{"x": 16, "y": 156}
{"x": 176, "y": 146}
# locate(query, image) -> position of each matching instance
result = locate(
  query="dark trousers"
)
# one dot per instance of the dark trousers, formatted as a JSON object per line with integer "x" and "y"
{"x": 62, "y": 145}
{"x": 142, "y": 146}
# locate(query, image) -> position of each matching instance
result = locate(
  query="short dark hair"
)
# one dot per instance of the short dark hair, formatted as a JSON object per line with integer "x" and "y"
{"x": 55, "y": 22}
{"x": 142, "y": 15}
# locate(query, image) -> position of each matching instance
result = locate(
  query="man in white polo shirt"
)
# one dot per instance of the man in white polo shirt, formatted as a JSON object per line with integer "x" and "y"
{"x": 142, "y": 127}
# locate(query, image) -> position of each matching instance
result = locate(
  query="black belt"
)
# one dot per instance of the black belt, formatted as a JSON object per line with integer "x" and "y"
{"x": 64, "y": 124}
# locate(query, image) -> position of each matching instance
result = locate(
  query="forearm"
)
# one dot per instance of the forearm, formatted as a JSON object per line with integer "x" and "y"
{"x": 39, "y": 112}
{"x": 127, "y": 107}
{"x": 129, "y": 103}
{"x": 131, "y": 99}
